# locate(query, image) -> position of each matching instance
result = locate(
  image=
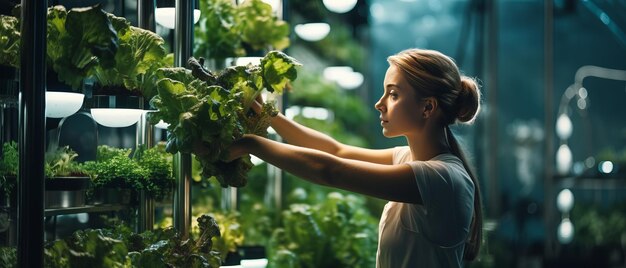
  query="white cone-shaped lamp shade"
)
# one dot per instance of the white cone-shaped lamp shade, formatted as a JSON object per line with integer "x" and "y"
{"x": 63, "y": 104}
{"x": 116, "y": 117}
{"x": 312, "y": 31}
{"x": 166, "y": 16}
{"x": 339, "y": 6}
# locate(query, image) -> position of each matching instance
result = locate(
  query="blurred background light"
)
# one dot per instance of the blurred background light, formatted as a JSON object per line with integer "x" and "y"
{"x": 565, "y": 201}
{"x": 312, "y": 31}
{"x": 565, "y": 232}
{"x": 339, "y": 6}
{"x": 564, "y": 127}
{"x": 563, "y": 159}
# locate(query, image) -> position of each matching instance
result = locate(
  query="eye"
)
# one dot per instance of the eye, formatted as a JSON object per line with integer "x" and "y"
{"x": 393, "y": 95}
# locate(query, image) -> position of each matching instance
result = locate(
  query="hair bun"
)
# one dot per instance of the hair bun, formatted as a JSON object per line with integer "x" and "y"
{"x": 468, "y": 101}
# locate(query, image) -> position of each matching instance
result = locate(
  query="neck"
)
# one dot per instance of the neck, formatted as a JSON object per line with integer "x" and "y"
{"x": 428, "y": 144}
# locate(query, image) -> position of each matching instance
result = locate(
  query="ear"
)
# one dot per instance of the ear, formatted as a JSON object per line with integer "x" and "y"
{"x": 430, "y": 106}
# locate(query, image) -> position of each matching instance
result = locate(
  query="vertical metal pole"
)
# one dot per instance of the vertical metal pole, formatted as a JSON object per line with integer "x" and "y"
{"x": 145, "y": 131}
{"x": 144, "y": 135}
{"x": 549, "y": 211}
{"x": 145, "y": 14}
{"x": 32, "y": 130}
{"x": 491, "y": 78}
{"x": 183, "y": 40}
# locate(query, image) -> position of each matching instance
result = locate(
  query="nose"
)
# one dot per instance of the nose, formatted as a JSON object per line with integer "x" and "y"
{"x": 379, "y": 105}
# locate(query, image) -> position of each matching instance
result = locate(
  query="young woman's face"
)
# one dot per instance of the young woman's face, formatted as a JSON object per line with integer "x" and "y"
{"x": 398, "y": 106}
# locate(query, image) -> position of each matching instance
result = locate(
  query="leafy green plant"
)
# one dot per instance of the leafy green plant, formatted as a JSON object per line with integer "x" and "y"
{"x": 207, "y": 112}
{"x": 79, "y": 40}
{"x": 119, "y": 247}
{"x": 8, "y": 257}
{"x": 225, "y": 29}
{"x": 9, "y": 41}
{"x": 134, "y": 65}
{"x": 9, "y": 166}
{"x": 337, "y": 232}
{"x": 60, "y": 163}
{"x": 116, "y": 170}
{"x": 158, "y": 163}
{"x": 148, "y": 169}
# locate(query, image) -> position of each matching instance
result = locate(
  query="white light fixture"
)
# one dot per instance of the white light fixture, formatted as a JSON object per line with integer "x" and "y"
{"x": 344, "y": 76}
{"x": 565, "y": 232}
{"x": 312, "y": 31}
{"x": 565, "y": 201}
{"x": 166, "y": 16}
{"x": 339, "y": 6}
{"x": 564, "y": 127}
{"x": 351, "y": 81}
{"x": 334, "y": 73}
{"x": 254, "y": 263}
{"x": 116, "y": 117}
{"x": 605, "y": 167}
{"x": 563, "y": 159}
{"x": 63, "y": 104}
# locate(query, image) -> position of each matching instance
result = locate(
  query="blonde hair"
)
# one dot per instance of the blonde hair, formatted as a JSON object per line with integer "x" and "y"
{"x": 433, "y": 74}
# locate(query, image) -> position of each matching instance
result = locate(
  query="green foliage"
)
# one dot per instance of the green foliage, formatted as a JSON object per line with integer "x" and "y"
{"x": 9, "y": 164}
{"x": 9, "y": 41}
{"x": 595, "y": 225}
{"x": 230, "y": 233}
{"x": 134, "y": 65}
{"x": 8, "y": 257}
{"x": 260, "y": 28}
{"x": 119, "y": 247}
{"x": 224, "y": 28}
{"x": 206, "y": 113}
{"x": 337, "y": 232}
{"x": 78, "y": 41}
{"x": 149, "y": 170}
{"x": 158, "y": 163}
{"x": 60, "y": 163}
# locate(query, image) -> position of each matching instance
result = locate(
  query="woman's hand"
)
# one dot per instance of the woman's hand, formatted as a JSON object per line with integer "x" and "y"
{"x": 257, "y": 104}
{"x": 240, "y": 147}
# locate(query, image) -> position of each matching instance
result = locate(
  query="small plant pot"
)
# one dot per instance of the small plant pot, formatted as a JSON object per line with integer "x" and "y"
{"x": 66, "y": 192}
{"x": 111, "y": 196}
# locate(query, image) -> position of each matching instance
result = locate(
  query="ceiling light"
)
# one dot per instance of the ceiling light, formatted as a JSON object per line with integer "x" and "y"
{"x": 312, "y": 31}
{"x": 116, "y": 117}
{"x": 339, "y": 6}
{"x": 63, "y": 104}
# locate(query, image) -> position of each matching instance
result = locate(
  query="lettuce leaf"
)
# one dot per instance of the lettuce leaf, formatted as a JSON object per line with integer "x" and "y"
{"x": 207, "y": 113}
{"x": 78, "y": 41}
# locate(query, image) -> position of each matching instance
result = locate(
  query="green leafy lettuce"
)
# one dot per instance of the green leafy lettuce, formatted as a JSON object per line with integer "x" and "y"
{"x": 78, "y": 41}
{"x": 225, "y": 29}
{"x": 134, "y": 65}
{"x": 206, "y": 113}
{"x": 9, "y": 41}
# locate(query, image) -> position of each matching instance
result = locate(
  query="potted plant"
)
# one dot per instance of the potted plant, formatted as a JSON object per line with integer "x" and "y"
{"x": 67, "y": 181}
{"x": 118, "y": 178}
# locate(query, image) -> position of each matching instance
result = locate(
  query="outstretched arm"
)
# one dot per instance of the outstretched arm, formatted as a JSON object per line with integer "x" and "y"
{"x": 389, "y": 182}
{"x": 302, "y": 136}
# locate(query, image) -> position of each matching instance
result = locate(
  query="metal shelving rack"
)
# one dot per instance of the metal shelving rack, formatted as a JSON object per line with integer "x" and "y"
{"x": 31, "y": 189}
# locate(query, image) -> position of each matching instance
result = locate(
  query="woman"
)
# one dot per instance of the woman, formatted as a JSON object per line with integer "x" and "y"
{"x": 434, "y": 216}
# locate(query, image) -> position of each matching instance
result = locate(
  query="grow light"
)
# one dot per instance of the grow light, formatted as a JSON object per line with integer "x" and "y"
{"x": 312, "y": 31}
{"x": 342, "y": 6}
{"x": 63, "y": 104}
{"x": 116, "y": 117}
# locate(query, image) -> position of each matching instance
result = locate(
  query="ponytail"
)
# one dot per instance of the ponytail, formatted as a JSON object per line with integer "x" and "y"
{"x": 474, "y": 240}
